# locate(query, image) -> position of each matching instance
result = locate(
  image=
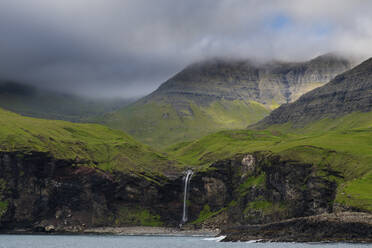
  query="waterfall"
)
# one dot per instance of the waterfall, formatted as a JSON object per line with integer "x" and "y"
{"x": 187, "y": 179}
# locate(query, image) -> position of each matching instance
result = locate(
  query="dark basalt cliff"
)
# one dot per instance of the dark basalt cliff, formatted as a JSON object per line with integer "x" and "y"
{"x": 348, "y": 92}
{"x": 39, "y": 193}
{"x": 346, "y": 226}
{"x": 259, "y": 188}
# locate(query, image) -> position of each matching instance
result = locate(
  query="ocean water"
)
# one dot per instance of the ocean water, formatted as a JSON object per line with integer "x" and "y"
{"x": 94, "y": 241}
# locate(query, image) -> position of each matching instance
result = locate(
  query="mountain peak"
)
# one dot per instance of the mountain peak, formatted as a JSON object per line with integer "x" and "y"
{"x": 346, "y": 93}
{"x": 218, "y": 94}
{"x": 273, "y": 81}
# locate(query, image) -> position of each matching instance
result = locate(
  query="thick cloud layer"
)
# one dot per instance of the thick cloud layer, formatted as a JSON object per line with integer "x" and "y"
{"x": 128, "y": 47}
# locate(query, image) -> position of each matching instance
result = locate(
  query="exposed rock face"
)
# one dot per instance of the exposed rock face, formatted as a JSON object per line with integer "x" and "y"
{"x": 348, "y": 92}
{"x": 345, "y": 226}
{"x": 41, "y": 192}
{"x": 260, "y": 188}
{"x": 275, "y": 81}
{"x": 44, "y": 194}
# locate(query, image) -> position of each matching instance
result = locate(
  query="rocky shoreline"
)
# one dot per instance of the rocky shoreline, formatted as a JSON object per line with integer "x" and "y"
{"x": 350, "y": 227}
{"x": 134, "y": 230}
{"x": 341, "y": 227}
{"x": 140, "y": 230}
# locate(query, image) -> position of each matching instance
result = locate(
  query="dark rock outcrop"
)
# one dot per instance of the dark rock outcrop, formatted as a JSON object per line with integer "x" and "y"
{"x": 343, "y": 227}
{"x": 260, "y": 188}
{"x": 348, "y": 92}
{"x": 40, "y": 192}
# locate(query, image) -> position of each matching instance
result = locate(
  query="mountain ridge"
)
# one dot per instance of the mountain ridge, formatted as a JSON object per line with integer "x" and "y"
{"x": 346, "y": 93}
{"x": 209, "y": 68}
{"x": 214, "y": 95}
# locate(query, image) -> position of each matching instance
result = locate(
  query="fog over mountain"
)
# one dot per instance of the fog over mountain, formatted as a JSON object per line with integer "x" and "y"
{"x": 128, "y": 48}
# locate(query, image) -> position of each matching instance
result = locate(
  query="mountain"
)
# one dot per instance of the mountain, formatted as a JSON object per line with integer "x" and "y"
{"x": 347, "y": 93}
{"x": 329, "y": 127}
{"x": 220, "y": 94}
{"x": 32, "y": 101}
{"x": 63, "y": 177}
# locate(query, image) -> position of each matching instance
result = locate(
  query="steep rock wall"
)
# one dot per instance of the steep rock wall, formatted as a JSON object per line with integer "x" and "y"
{"x": 37, "y": 191}
{"x": 259, "y": 188}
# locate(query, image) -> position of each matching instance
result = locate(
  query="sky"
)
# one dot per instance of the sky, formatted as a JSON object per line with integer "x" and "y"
{"x": 127, "y": 48}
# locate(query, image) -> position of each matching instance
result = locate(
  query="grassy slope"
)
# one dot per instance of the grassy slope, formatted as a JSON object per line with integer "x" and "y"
{"x": 344, "y": 144}
{"x": 159, "y": 124}
{"x": 96, "y": 145}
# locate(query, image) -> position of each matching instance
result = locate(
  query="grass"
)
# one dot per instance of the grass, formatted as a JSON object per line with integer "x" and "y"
{"x": 252, "y": 181}
{"x": 137, "y": 216}
{"x": 3, "y": 204}
{"x": 206, "y": 213}
{"x": 160, "y": 123}
{"x": 260, "y": 204}
{"x": 264, "y": 206}
{"x": 343, "y": 144}
{"x": 90, "y": 144}
{"x": 357, "y": 193}
{"x": 3, "y": 208}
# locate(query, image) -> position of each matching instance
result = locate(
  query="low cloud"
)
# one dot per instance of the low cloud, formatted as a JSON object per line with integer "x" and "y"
{"x": 128, "y": 48}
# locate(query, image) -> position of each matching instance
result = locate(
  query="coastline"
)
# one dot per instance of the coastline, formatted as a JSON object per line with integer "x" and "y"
{"x": 345, "y": 227}
{"x": 349, "y": 227}
{"x": 124, "y": 231}
{"x": 156, "y": 231}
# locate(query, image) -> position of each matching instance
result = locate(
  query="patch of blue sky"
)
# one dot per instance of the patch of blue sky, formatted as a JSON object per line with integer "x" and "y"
{"x": 279, "y": 22}
{"x": 322, "y": 30}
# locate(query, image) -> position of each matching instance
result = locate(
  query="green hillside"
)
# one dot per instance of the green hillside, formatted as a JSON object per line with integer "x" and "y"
{"x": 343, "y": 144}
{"x": 159, "y": 124}
{"x": 220, "y": 94}
{"x": 88, "y": 144}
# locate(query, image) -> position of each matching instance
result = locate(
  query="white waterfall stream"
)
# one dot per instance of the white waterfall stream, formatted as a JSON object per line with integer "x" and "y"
{"x": 188, "y": 176}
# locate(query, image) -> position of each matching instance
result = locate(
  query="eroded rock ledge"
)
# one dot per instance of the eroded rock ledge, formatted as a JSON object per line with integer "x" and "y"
{"x": 340, "y": 227}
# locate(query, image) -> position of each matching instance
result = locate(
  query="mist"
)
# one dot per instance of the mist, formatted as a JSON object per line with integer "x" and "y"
{"x": 127, "y": 48}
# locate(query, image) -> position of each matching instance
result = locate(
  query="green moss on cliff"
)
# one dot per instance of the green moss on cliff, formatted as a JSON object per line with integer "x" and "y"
{"x": 253, "y": 181}
{"x": 3, "y": 203}
{"x": 206, "y": 213}
{"x": 3, "y": 208}
{"x": 261, "y": 208}
{"x": 137, "y": 216}
{"x": 260, "y": 205}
